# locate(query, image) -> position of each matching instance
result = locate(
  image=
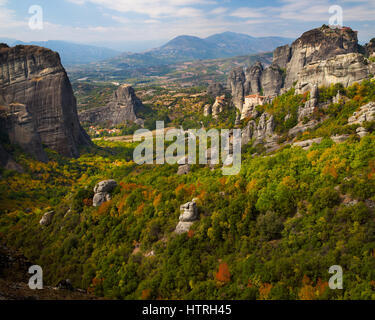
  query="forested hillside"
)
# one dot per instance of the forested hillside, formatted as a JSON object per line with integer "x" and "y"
{"x": 270, "y": 232}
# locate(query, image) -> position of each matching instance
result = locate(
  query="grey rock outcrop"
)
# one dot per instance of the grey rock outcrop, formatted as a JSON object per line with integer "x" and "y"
{"x": 207, "y": 110}
{"x": 17, "y": 122}
{"x": 263, "y": 132}
{"x": 307, "y": 110}
{"x": 316, "y": 45}
{"x": 218, "y": 106}
{"x": 103, "y": 191}
{"x": 281, "y": 56}
{"x": 306, "y": 144}
{"x": 236, "y": 84}
{"x": 189, "y": 214}
{"x": 120, "y": 110}
{"x": 215, "y": 89}
{"x": 365, "y": 113}
{"x": 272, "y": 80}
{"x": 253, "y": 77}
{"x": 47, "y": 218}
{"x": 7, "y": 162}
{"x": 345, "y": 69}
{"x": 38, "y": 98}
{"x": 340, "y": 138}
{"x": 321, "y": 56}
{"x": 183, "y": 169}
{"x": 370, "y": 48}
{"x": 361, "y": 132}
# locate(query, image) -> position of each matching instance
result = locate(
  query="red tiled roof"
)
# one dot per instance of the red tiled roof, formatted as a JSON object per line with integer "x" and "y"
{"x": 255, "y": 96}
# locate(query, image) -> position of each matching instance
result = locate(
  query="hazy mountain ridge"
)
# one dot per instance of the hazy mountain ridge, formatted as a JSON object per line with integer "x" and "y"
{"x": 187, "y": 48}
{"x": 70, "y": 53}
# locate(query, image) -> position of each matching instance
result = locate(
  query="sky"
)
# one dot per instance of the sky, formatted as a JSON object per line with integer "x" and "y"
{"x": 142, "y": 24}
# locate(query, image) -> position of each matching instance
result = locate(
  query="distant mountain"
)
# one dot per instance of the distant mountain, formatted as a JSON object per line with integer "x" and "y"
{"x": 238, "y": 43}
{"x": 188, "y": 48}
{"x": 70, "y": 53}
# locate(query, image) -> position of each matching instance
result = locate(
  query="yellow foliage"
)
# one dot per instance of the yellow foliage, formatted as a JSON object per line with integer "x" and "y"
{"x": 264, "y": 291}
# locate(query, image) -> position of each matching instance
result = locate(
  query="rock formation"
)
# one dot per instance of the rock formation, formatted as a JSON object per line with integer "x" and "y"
{"x": 272, "y": 80}
{"x": 253, "y": 79}
{"x": 120, "y": 110}
{"x": 207, "y": 110}
{"x": 307, "y": 110}
{"x": 370, "y": 48}
{"x": 320, "y": 57}
{"x": 189, "y": 214}
{"x": 365, "y": 113}
{"x": 47, "y": 218}
{"x": 37, "y": 102}
{"x": 183, "y": 169}
{"x": 215, "y": 89}
{"x": 103, "y": 191}
{"x": 316, "y": 45}
{"x": 7, "y": 162}
{"x": 17, "y": 122}
{"x": 263, "y": 132}
{"x": 236, "y": 84}
{"x": 345, "y": 69}
{"x": 218, "y": 106}
{"x": 281, "y": 56}
{"x": 306, "y": 144}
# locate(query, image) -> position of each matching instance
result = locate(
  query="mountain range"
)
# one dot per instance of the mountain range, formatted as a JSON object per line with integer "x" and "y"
{"x": 70, "y": 53}
{"x": 180, "y": 49}
{"x": 189, "y": 48}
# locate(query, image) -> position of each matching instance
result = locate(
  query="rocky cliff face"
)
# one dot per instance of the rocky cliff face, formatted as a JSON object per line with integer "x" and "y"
{"x": 253, "y": 79}
{"x": 236, "y": 83}
{"x": 282, "y": 55}
{"x": 37, "y": 102}
{"x": 215, "y": 90}
{"x": 345, "y": 69}
{"x": 272, "y": 80}
{"x": 242, "y": 82}
{"x": 319, "y": 57}
{"x": 370, "y": 48}
{"x": 121, "y": 109}
{"x": 316, "y": 45}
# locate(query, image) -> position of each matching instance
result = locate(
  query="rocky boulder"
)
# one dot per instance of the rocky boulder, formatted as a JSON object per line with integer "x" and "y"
{"x": 183, "y": 169}
{"x": 365, "y": 113}
{"x": 262, "y": 132}
{"x": 307, "y": 110}
{"x": 103, "y": 191}
{"x": 207, "y": 110}
{"x": 47, "y": 218}
{"x": 306, "y": 144}
{"x": 189, "y": 214}
{"x": 218, "y": 106}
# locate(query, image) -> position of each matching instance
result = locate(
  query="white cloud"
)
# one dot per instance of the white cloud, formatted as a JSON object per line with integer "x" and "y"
{"x": 248, "y": 13}
{"x": 152, "y": 8}
{"x": 219, "y": 11}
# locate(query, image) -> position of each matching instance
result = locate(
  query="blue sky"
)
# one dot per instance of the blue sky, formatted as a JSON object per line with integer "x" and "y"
{"x": 127, "y": 22}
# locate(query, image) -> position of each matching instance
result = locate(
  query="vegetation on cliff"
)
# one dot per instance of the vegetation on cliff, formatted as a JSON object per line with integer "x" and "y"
{"x": 271, "y": 232}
